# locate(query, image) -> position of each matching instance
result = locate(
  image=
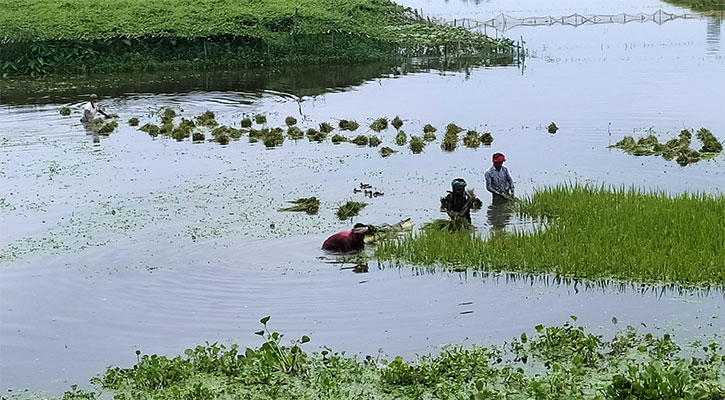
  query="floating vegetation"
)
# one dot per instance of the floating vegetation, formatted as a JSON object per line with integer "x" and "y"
{"x": 374, "y": 141}
{"x": 326, "y": 128}
{"x": 198, "y": 137}
{"x": 275, "y": 137}
{"x": 207, "y": 119}
{"x": 429, "y": 136}
{"x": 246, "y": 122}
{"x": 379, "y": 124}
{"x": 710, "y": 144}
{"x": 552, "y": 128}
{"x": 449, "y": 225}
{"x": 450, "y": 142}
{"x": 416, "y": 144}
{"x": 453, "y": 129}
{"x": 168, "y": 116}
{"x": 472, "y": 139}
{"x": 428, "y": 128}
{"x": 223, "y": 133}
{"x": 260, "y": 119}
{"x": 360, "y": 140}
{"x": 108, "y": 127}
{"x": 337, "y": 139}
{"x": 401, "y": 138}
{"x": 676, "y": 148}
{"x": 387, "y": 151}
{"x": 316, "y": 136}
{"x": 295, "y": 133}
{"x": 310, "y": 205}
{"x": 592, "y": 233}
{"x": 396, "y": 122}
{"x": 486, "y": 138}
{"x": 133, "y": 121}
{"x": 346, "y": 125}
{"x": 350, "y": 209}
{"x": 289, "y": 121}
{"x": 64, "y": 111}
{"x": 151, "y": 129}
{"x": 256, "y": 135}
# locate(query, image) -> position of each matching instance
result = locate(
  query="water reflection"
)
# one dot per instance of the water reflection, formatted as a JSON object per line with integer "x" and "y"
{"x": 498, "y": 214}
{"x": 714, "y": 32}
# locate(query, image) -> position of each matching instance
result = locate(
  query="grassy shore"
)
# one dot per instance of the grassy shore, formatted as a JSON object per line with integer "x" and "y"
{"x": 46, "y": 36}
{"x": 700, "y": 5}
{"x": 555, "y": 362}
{"x": 591, "y": 233}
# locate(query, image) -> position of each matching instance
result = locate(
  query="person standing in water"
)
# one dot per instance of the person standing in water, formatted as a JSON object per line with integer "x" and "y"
{"x": 457, "y": 202}
{"x": 91, "y": 108}
{"x": 498, "y": 180}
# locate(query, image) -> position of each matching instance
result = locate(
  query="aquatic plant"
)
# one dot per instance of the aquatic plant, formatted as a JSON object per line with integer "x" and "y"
{"x": 346, "y": 125}
{"x": 260, "y": 119}
{"x": 289, "y": 121}
{"x": 379, "y": 124}
{"x": 295, "y": 133}
{"x": 274, "y": 137}
{"x": 552, "y": 128}
{"x": 592, "y": 233}
{"x": 316, "y": 136}
{"x": 207, "y": 119}
{"x": 167, "y": 117}
{"x": 64, "y": 111}
{"x": 310, "y": 205}
{"x": 448, "y": 225}
{"x": 472, "y": 139}
{"x": 453, "y": 129}
{"x": 387, "y": 151}
{"x": 246, "y": 122}
{"x": 198, "y": 137}
{"x": 337, "y": 139}
{"x": 486, "y": 138}
{"x": 416, "y": 144}
{"x": 326, "y": 127}
{"x": 133, "y": 121}
{"x": 401, "y": 138}
{"x": 349, "y": 209}
{"x": 396, "y": 122}
{"x": 223, "y": 133}
{"x": 360, "y": 140}
{"x": 429, "y": 136}
{"x": 709, "y": 143}
{"x": 166, "y": 129}
{"x": 108, "y": 127}
{"x": 428, "y": 128}
{"x": 676, "y": 148}
{"x": 374, "y": 141}
{"x": 476, "y": 204}
{"x": 450, "y": 141}
{"x": 151, "y": 129}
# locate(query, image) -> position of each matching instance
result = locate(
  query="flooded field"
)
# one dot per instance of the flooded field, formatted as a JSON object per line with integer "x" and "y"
{"x": 112, "y": 244}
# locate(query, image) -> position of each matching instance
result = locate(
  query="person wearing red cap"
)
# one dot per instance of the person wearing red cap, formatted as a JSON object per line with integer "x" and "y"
{"x": 347, "y": 241}
{"x": 498, "y": 180}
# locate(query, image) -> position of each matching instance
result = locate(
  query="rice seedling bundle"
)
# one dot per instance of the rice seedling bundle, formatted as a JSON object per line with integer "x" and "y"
{"x": 486, "y": 138}
{"x": 397, "y": 122}
{"x": 552, "y": 128}
{"x": 387, "y": 151}
{"x": 428, "y": 128}
{"x": 133, "y": 121}
{"x": 316, "y": 136}
{"x": 401, "y": 138}
{"x": 709, "y": 143}
{"x": 472, "y": 139}
{"x": 260, "y": 119}
{"x": 246, "y": 122}
{"x": 429, "y": 136}
{"x": 168, "y": 116}
{"x": 64, "y": 111}
{"x": 346, "y": 125}
{"x": 360, "y": 140}
{"x": 107, "y": 128}
{"x": 416, "y": 144}
{"x": 295, "y": 133}
{"x": 275, "y": 137}
{"x": 374, "y": 141}
{"x": 337, "y": 139}
{"x": 207, "y": 119}
{"x": 325, "y": 127}
{"x": 310, "y": 205}
{"x": 676, "y": 148}
{"x": 289, "y": 121}
{"x": 349, "y": 209}
{"x": 198, "y": 137}
{"x": 151, "y": 129}
{"x": 379, "y": 124}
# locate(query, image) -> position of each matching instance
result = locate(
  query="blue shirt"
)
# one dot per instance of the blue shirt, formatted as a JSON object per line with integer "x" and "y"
{"x": 499, "y": 181}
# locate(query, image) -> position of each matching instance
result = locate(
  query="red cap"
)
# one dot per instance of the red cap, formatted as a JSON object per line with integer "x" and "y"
{"x": 501, "y": 158}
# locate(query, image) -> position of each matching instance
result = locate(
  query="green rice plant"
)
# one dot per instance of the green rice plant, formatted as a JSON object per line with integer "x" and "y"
{"x": 255, "y": 135}
{"x": 274, "y": 137}
{"x": 295, "y": 133}
{"x": 64, "y": 111}
{"x": 349, "y": 209}
{"x": 133, "y": 121}
{"x": 151, "y": 129}
{"x": 429, "y": 136}
{"x": 167, "y": 117}
{"x": 416, "y": 144}
{"x": 676, "y": 148}
{"x": 552, "y": 128}
{"x": 166, "y": 129}
{"x": 486, "y": 138}
{"x": 207, "y": 118}
{"x": 387, "y": 151}
{"x": 449, "y": 225}
{"x": 401, "y": 138}
{"x": 326, "y": 127}
{"x": 709, "y": 143}
{"x": 337, "y": 139}
{"x": 289, "y": 121}
{"x": 310, "y": 205}
{"x": 198, "y": 137}
{"x": 450, "y": 141}
{"x": 379, "y": 124}
{"x": 107, "y": 128}
{"x": 428, "y": 128}
{"x": 360, "y": 140}
{"x": 397, "y": 122}
{"x": 246, "y": 122}
{"x": 316, "y": 136}
{"x": 592, "y": 233}
{"x": 374, "y": 141}
{"x": 260, "y": 119}
{"x": 346, "y": 125}
{"x": 453, "y": 129}
{"x": 472, "y": 139}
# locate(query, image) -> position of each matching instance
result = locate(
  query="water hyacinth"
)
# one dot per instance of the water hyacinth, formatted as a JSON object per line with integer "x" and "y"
{"x": 379, "y": 124}
{"x": 346, "y": 125}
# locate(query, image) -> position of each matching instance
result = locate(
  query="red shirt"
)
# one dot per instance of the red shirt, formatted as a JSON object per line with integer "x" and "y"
{"x": 344, "y": 242}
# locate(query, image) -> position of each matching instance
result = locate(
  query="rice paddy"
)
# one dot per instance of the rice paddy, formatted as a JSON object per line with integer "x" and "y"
{"x": 349, "y": 209}
{"x": 591, "y": 233}
{"x": 676, "y": 148}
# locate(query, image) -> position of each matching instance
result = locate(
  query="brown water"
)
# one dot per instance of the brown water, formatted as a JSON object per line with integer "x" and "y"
{"x": 134, "y": 243}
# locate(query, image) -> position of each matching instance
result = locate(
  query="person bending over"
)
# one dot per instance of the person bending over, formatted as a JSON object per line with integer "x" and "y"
{"x": 347, "y": 241}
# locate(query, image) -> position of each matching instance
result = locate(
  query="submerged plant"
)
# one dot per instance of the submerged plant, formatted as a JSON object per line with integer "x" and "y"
{"x": 316, "y": 136}
{"x": 552, "y": 128}
{"x": 374, "y": 141}
{"x": 472, "y": 139}
{"x": 246, "y": 122}
{"x": 310, "y": 205}
{"x": 349, "y": 209}
{"x": 133, "y": 121}
{"x": 486, "y": 138}
{"x": 207, "y": 119}
{"x": 401, "y": 138}
{"x": 295, "y": 133}
{"x": 64, "y": 111}
{"x": 416, "y": 144}
{"x": 325, "y": 127}
{"x": 337, "y": 139}
{"x": 379, "y": 124}
{"x": 346, "y": 125}
{"x": 260, "y": 119}
{"x": 387, "y": 151}
{"x": 396, "y": 122}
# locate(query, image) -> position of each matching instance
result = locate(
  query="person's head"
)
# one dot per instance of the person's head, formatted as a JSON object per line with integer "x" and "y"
{"x": 458, "y": 185}
{"x": 94, "y": 98}
{"x": 359, "y": 230}
{"x": 498, "y": 160}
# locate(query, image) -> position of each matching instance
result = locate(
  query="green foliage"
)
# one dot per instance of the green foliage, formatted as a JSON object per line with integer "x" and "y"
{"x": 346, "y": 125}
{"x": 428, "y": 128}
{"x": 316, "y": 136}
{"x": 486, "y": 138}
{"x": 678, "y": 148}
{"x": 709, "y": 143}
{"x": 416, "y": 144}
{"x": 151, "y": 129}
{"x": 472, "y": 139}
{"x": 700, "y": 5}
{"x": 198, "y": 137}
{"x": 337, "y": 139}
{"x": 552, "y": 128}
{"x": 397, "y": 122}
{"x": 360, "y": 140}
{"x": 379, "y": 124}
{"x": 260, "y": 119}
{"x": 64, "y": 111}
{"x": 295, "y": 133}
{"x": 289, "y": 121}
{"x": 273, "y": 137}
{"x": 349, "y": 209}
{"x": 401, "y": 138}
{"x": 108, "y": 127}
{"x": 429, "y": 136}
{"x": 246, "y": 122}
{"x": 374, "y": 141}
{"x": 207, "y": 118}
{"x": 387, "y": 151}
{"x": 310, "y": 205}
{"x": 133, "y": 121}
{"x": 326, "y": 127}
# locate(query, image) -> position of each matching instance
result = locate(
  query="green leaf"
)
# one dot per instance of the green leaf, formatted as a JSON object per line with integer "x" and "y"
{"x": 573, "y": 317}
{"x": 523, "y": 337}
{"x": 260, "y": 333}
{"x": 305, "y": 339}
{"x": 614, "y": 320}
{"x": 264, "y": 320}
{"x": 539, "y": 328}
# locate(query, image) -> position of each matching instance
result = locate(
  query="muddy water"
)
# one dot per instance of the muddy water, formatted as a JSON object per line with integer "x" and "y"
{"x": 127, "y": 242}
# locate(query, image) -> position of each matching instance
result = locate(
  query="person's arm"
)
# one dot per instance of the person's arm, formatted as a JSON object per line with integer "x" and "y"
{"x": 511, "y": 182}
{"x": 100, "y": 110}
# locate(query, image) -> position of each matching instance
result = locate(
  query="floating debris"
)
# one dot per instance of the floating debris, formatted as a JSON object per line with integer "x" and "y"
{"x": 289, "y": 121}
{"x": 710, "y": 144}
{"x": 246, "y": 122}
{"x": 133, "y": 121}
{"x": 360, "y": 140}
{"x": 207, "y": 119}
{"x": 337, "y": 139}
{"x": 198, "y": 137}
{"x": 346, "y": 125}
{"x": 379, "y": 124}
{"x": 396, "y": 122}
{"x": 326, "y": 128}
{"x": 429, "y": 136}
{"x": 486, "y": 138}
{"x": 374, "y": 141}
{"x": 552, "y": 128}
{"x": 151, "y": 129}
{"x": 310, "y": 205}
{"x": 387, "y": 151}
{"x": 107, "y": 128}
{"x": 401, "y": 138}
{"x": 295, "y": 133}
{"x": 316, "y": 136}
{"x": 472, "y": 139}
{"x": 428, "y": 128}
{"x": 260, "y": 119}
{"x": 416, "y": 144}
{"x": 350, "y": 209}
{"x": 64, "y": 111}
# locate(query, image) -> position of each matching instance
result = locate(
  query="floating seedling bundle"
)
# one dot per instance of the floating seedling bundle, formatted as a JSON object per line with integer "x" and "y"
{"x": 397, "y": 122}
{"x": 401, "y": 138}
{"x": 275, "y": 137}
{"x": 486, "y": 138}
{"x": 709, "y": 143}
{"x": 151, "y": 129}
{"x": 289, "y": 121}
{"x": 416, "y": 144}
{"x": 260, "y": 119}
{"x": 676, "y": 148}
{"x": 450, "y": 140}
{"x": 374, "y": 141}
{"x": 198, "y": 137}
{"x": 326, "y": 128}
{"x": 472, "y": 139}
{"x": 295, "y": 133}
{"x": 133, "y": 121}
{"x": 346, "y": 125}
{"x": 337, "y": 139}
{"x": 429, "y": 136}
{"x": 207, "y": 119}
{"x": 310, "y": 205}
{"x": 107, "y": 128}
{"x": 64, "y": 111}
{"x": 246, "y": 122}
{"x": 552, "y": 128}
{"x": 167, "y": 117}
{"x": 387, "y": 151}
{"x": 428, "y": 128}
{"x": 360, "y": 140}
{"x": 379, "y": 124}
{"x": 448, "y": 225}
{"x": 316, "y": 136}
{"x": 350, "y": 209}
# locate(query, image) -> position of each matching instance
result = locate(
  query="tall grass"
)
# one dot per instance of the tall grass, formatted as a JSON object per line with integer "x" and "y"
{"x": 593, "y": 233}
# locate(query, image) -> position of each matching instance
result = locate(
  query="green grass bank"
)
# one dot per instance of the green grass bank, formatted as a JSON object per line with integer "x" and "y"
{"x": 58, "y": 36}
{"x": 590, "y": 233}
{"x": 700, "y": 5}
{"x": 555, "y": 362}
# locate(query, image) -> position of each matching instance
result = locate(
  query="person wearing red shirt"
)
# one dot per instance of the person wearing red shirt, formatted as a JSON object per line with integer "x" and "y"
{"x": 347, "y": 241}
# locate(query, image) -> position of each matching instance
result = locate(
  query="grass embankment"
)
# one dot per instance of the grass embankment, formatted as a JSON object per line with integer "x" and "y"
{"x": 700, "y": 5}
{"x": 46, "y": 36}
{"x": 591, "y": 233}
{"x": 558, "y": 362}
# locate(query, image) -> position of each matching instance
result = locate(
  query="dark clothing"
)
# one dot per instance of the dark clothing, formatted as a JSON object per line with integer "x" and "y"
{"x": 457, "y": 202}
{"x": 344, "y": 242}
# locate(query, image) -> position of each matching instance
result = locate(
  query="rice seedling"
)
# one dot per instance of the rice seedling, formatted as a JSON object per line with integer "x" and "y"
{"x": 450, "y": 142}
{"x": 166, "y": 129}
{"x": 325, "y": 127}
{"x": 260, "y": 119}
{"x": 289, "y": 121}
{"x": 151, "y": 129}
{"x": 107, "y": 128}
{"x": 246, "y": 122}
{"x": 416, "y": 144}
{"x": 552, "y": 128}
{"x": 310, "y": 205}
{"x": 374, "y": 141}
{"x": 295, "y": 133}
{"x": 397, "y": 122}
{"x": 133, "y": 121}
{"x": 379, "y": 124}
{"x": 349, "y": 209}
{"x": 591, "y": 233}
{"x": 472, "y": 139}
{"x": 476, "y": 204}
{"x": 64, "y": 111}
{"x": 275, "y": 137}
{"x": 316, "y": 136}
{"x": 346, "y": 125}
{"x": 198, "y": 137}
{"x": 428, "y": 128}
{"x": 168, "y": 116}
{"x": 486, "y": 138}
{"x": 207, "y": 119}
{"x": 676, "y": 148}
{"x": 360, "y": 140}
{"x": 709, "y": 143}
{"x": 337, "y": 139}
{"x": 448, "y": 225}
{"x": 453, "y": 129}
{"x": 387, "y": 151}
{"x": 401, "y": 138}
{"x": 429, "y": 136}
{"x": 256, "y": 135}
